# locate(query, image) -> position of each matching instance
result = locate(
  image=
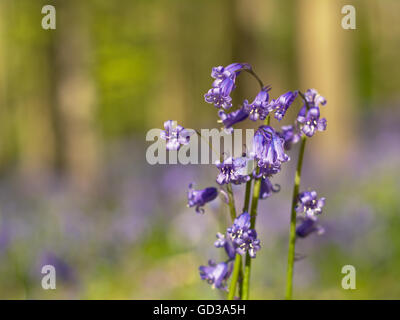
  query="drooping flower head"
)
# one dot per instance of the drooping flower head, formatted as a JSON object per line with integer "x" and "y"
{"x": 232, "y": 70}
{"x": 281, "y": 104}
{"x": 243, "y": 238}
{"x": 307, "y": 226}
{"x": 232, "y": 170}
{"x": 309, "y": 121}
{"x": 268, "y": 147}
{"x": 232, "y": 118}
{"x": 267, "y": 188}
{"x": 309, "y": 204}
{"x": 289, "y": 134}
{"x": 175, "y": 135}
{"x": 198, "y": 198}
{"x": 258, "y": 109}
{"x": 216, "y": 274}
{"x": 223, "y": 85}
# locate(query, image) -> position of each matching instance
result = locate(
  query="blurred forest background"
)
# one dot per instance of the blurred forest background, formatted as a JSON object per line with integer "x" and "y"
{"x": 75, "y": 106}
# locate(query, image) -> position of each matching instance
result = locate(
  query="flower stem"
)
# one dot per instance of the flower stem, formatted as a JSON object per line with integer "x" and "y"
{"x": 292, "y": 231}
{"x": 209, "y": 145}
{"x": 245, "y": 209}
{"x": 244, "y": 285}
{"x": 235, "y": 276}
{"x": 232, "y": 209}
{"x": 237, "y": 268}
{"x": 255, "y": 76}
{"x": 253, "y": 215}
{"x": 247, "y": 196}
{"x": 241, "y": 280}
{"x": 251, "y": 71}
{"x": 246, "y": 279}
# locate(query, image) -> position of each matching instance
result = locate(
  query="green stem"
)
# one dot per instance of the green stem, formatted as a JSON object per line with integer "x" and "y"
{"x": 253, "y": 215}
{"x": 254, "y": 200}
{"x": 245, "y": 209}
{"x": 241, "y": 280}
{"x": 231, "y": 199}
{"x": 292, "y": 231}
{"x": 208, "y": 143}
{"x": 244, "y": 284}
{"x": 246, "y": 278}
{"x": 235, "y": 276}
{"x": 247, "y": 196}
{"x": 238, "y": 268}
{"x": 267, "y": 121}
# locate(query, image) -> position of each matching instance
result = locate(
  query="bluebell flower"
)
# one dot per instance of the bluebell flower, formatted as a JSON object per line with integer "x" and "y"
{"x": 265, "y": 173}
{"x": 232, "y": 70}
{"x": 226, "y": 243}
{"x": 308, "y": 118}
{"x": 309, "y": 121}
{"x": 290, "y": 135}
{"x": 240, "y": 224}
{"x": 268, "y": 147}
{"x": 309, "y": 204}
{"x": 243, "y": 238}
{"x": 307, "y": 226}
{"x": 232, "y": 118}
{"x": 268, "y": 170}
{"x": 267, "y": 188}
{"x": 216, "y": 274}
{"x": 175, "y": 135}
{"x": 198, "y": 198}
{"x": 281, "y": 104}
{"x": 314, "y": 99}
{"x": 224, "y": 83}
{"x": 232, "y": 170}
{"x": 220, "y": 94}
{"x": 258, "y": 109}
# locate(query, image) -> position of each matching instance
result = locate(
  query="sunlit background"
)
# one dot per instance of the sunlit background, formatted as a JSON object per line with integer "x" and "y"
{"x": 76, "y": 104}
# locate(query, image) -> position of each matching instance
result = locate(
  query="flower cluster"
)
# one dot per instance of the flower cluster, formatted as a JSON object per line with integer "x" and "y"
{"x": 216, "y": 274}
{"x": 243, "y": 238}
{"x": 239, "y": 238}
{"x": 259, "y": 166}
